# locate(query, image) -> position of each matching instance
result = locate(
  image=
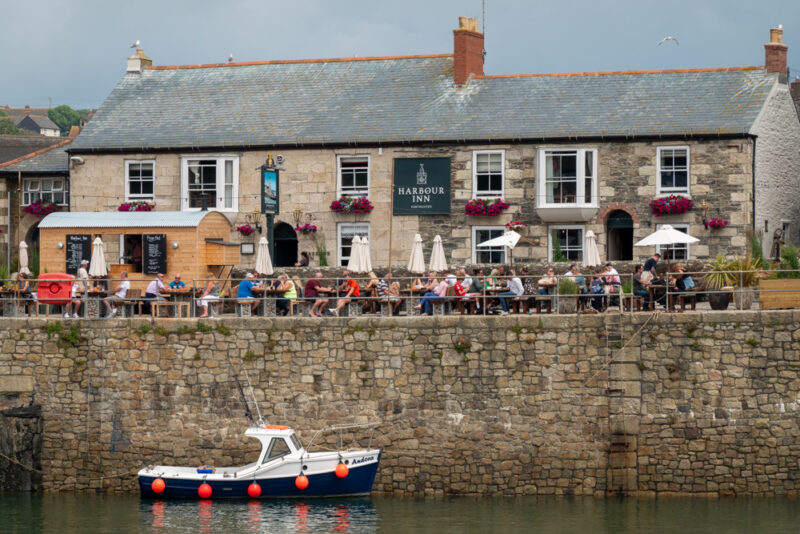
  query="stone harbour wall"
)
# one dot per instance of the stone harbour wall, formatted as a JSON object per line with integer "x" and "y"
{"x": 584, "y": 405}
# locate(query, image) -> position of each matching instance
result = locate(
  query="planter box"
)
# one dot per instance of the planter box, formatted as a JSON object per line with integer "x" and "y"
{"x": 788, "y": 295}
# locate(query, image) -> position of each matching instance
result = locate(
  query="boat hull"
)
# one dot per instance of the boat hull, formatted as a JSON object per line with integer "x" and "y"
{"x": 358, "y": 481}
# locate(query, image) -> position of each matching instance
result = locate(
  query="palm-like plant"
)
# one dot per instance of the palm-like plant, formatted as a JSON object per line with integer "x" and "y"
{"x": 718, "y": 274}
{"x": 744, "y": 271}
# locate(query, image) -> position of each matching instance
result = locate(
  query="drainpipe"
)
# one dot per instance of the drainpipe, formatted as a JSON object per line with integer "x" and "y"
{"x": 8, "y": 230}
{"x": 753, "y": 172}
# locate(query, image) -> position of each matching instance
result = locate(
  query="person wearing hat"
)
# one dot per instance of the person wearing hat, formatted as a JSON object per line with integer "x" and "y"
{"x": 80, "y": 285}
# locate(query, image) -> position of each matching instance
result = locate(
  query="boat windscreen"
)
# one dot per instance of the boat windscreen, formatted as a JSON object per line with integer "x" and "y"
{"x": 296, "y": 442}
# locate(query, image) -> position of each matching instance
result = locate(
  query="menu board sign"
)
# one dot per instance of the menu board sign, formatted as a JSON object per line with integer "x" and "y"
{"x": 154, "y": 257}
{"x": 79, "y": 248}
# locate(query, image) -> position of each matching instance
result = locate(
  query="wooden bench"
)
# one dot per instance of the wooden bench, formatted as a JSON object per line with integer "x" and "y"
{"x": 630, "y": 301}
{"x": 546, "y": 301}
{"x": 180, "y": 308}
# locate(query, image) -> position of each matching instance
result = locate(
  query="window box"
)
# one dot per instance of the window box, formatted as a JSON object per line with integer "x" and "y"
{"x": 481, "y": 234}
{"x": 479, "y": 207}
{"x": 567, "y": 184}
{"x": 352, "y": 205}
{"x": 671, "y": 205}
{"x": 488, "y": 173}
{"x": 353, "y": 176}
{"x": 672, "y": 169}
{"x": 41, "y": 208}
{"x": 210, "y": 179}
{"x": 136, "y": 206}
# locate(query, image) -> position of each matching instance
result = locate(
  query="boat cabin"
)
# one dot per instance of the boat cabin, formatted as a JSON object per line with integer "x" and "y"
{"x": 277, "y": 441}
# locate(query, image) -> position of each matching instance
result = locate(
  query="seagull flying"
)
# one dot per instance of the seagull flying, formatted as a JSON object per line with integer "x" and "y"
{"x": 137, "y": 44}
{"x": 668, "y": 38}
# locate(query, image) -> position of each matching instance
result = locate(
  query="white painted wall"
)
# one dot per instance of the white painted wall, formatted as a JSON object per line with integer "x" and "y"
{"x": 778, "y": 165}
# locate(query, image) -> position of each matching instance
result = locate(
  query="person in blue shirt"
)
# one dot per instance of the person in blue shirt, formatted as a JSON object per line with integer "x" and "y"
{"x": 177, "y": 283}
{"x": 246, "y": 290}
{"x": 651, "y": 264}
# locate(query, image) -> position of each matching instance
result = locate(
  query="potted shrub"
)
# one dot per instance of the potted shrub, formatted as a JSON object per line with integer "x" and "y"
{"x": 718, "y": 279}
{"x": 745, "y": 276}
{"x": 569, "y": 302}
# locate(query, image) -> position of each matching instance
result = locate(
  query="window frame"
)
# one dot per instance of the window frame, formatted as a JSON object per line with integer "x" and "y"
{"x": 491, "y": 193}
{"x": 220, "y": 185}
{"x": 475, "y": 250}
{"x": 339, "y": 232}
{"x": 128, "y": 195}
{"x": 580, "y": 178}
{"x": 674, "y": 190}
{"x": 26, "y": 191}
{"x": 340, "y": 192}
{"x": 679, "y": 227}
{"x": 554, "y": 227}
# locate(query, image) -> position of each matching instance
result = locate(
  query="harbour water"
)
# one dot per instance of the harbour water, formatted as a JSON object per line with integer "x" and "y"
{"x": 66, "y": 514}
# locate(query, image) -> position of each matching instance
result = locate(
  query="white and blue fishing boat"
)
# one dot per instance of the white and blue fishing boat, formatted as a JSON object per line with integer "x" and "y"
{"x": 284, "y": 469}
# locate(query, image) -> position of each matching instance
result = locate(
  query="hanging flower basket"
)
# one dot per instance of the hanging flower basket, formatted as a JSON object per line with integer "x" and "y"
{"x": 352, "y": 205}
{"x": 41, "y": 208}
{"x": 245, "y": 229}
{"x": 671, "y": 205}
{"x": 716, "y": 223}
{"x": 516, "y": 226}
{"x": 479, "y": 207}
{"x": 136, "y": 206}
{"x": 306, "y": 228}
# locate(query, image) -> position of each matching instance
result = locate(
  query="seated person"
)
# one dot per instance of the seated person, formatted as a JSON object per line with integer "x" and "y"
{"x": 678, "y": 281}
{"x": 437, "y": 293}
{"x": 597, "y": 287}
{"x": 153, "y": 290}
{"x": 515, "y": 290}
{"x": 246, "y": 290}
{"x": 304, "y": 259}
{"x": 288, "y": 293}
{"x": 371, "y": 292}
{"x": 548, "y": 282}
{"x": 177, "y": 283}
{"x": 575, "y": 272}
{"x": 351, "y": 291}
{"x": 80, "y": 285}
{"x": 640, "y": 285}
{"x": 313, "y": 291}
{"x": 394, "y": 297}
{"x": 210, "y": 293}
{"x": 120, "y": 292}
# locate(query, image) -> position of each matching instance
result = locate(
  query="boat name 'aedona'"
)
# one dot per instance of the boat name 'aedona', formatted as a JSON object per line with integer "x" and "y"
{"x": 362, "y": 460}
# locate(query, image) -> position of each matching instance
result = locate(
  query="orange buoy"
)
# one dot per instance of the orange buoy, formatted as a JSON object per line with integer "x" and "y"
{"x": 254, "y": 490}
{"x": 158, "y": 485}
{"x": 341, "y": 470}
{"x": 204, "y": 491}
{"x": 301, "y": 482}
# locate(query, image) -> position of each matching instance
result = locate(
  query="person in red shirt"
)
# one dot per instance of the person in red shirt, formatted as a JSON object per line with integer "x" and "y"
{"x": 351, "y": 291}
{"x": 313, "y": 291}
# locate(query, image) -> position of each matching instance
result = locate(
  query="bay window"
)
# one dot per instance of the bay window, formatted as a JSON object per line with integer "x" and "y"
{"x": 567, "y": 177}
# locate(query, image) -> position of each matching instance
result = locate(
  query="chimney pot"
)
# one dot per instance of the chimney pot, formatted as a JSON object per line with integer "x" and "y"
{"x": 467, "y": 50}
{"x": 138, "y": 61}
{"x": 775, "y": 52}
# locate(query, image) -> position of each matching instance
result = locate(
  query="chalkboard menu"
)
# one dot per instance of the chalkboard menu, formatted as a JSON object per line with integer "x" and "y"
{"x": 79, "y": 247}
{"x": 154, "y": 255}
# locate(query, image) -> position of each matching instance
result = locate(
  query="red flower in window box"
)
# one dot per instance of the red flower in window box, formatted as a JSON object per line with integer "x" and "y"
{"x": 41, "y": 208}
{"x": 136, "y": 206}
{"x": 352, "y": 205}
{"x": 671, "y": 205}
{"x": 479, "y": 207}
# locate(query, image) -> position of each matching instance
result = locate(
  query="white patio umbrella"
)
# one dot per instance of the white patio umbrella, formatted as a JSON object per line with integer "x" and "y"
{"x": 366, "y": 261}
{"x": 263, "y": 261}
{"x": 23, "y": 258}
{"x": 354, "y": 263}
{"x": 509, "y": 240}
{"x": 591, "y": 257}
{"x": 416, "y": 263}
{"x": 97, "y": 266}
{"x": 438, "y": 263}
{"x": 666, "y": 236}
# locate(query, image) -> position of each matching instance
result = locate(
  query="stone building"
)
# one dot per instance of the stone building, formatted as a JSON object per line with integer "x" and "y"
{"x": 568, "y": 152}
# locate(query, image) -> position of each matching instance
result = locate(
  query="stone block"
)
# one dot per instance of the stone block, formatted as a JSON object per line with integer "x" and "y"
{"x": 16, "y": 384}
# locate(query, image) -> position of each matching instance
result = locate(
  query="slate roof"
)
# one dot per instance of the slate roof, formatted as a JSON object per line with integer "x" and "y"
{"x": 15, "y": 146}
{"x": 411, "y": 99}
{"x": 121, "y": 219}
{"x": 41, "y": 122}
{"x": 50, "y": 160}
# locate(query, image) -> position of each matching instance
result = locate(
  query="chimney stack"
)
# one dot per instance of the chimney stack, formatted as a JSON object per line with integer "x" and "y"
{"x": 467, "y": 50}
{"x": 138, "y": 61}
{"x": 27, "y": 110}
{"x": 775, "y": 51}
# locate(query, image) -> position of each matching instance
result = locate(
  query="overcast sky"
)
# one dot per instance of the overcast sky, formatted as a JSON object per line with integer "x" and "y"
{"x": 73, "y": 51}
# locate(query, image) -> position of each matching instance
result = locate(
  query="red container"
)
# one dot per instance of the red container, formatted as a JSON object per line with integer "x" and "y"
{"x": 54, "y": 288}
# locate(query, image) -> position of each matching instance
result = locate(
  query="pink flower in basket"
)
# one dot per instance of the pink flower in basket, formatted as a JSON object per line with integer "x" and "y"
{"x": 516, "y": 225}
{"x": 716, "y": 223}
{"x": 245, "y": 229}
{"x": 306, "y": 228}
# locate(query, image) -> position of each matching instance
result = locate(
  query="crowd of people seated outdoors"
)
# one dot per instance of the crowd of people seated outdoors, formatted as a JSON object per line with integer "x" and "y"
{"x": 501, "y": 291}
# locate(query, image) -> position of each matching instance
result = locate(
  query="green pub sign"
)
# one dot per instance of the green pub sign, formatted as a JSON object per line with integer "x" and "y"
{"x": 421, "y": 186}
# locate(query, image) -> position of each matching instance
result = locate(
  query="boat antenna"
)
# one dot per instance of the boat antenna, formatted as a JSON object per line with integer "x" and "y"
{"x": 260, "y": 419}
{"x": 247, "y": 411}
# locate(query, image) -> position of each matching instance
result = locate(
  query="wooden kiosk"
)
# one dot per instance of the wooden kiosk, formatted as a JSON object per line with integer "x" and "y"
{"x": 143, "y": 243}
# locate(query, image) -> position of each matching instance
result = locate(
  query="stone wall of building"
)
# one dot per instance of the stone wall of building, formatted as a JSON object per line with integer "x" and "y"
{"x": 721, "y": 172}
{"x": 586, "y": 405}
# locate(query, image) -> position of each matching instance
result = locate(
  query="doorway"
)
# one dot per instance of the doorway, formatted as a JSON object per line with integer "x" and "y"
{"x": 285, "y": 245}
{"x": 619, "y": 229}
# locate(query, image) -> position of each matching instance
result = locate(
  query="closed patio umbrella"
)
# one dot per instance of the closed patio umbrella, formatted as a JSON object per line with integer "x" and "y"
{"x": 23, "y": 258}
{"x": 97, "y": 266}
{"x": 666, "y": 236}
{"x": 366, "y": 261}
{"x": 438, "y": 262}
{"x": 508, "y": 240}
{"x": 354, "y": 263}
{"x": 416, "y": 263}
{"x": 263, "y": 261}
{"x": 592, "y": 256}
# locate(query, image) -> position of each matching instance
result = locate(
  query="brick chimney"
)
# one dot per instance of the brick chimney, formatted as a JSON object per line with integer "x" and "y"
{"x": 467, "y": 50}
{"x": 27, "y": 110}
{"x": 775, "y": 51}
{"x": 138, "y": 61}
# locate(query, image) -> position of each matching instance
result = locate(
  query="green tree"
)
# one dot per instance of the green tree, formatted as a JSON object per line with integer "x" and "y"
{"x": 65, "y": 117}
{"x": 8, "y": 127}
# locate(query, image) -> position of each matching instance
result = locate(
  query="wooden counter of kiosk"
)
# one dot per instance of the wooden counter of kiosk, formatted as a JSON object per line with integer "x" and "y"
{"x": 190, "y": 243}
